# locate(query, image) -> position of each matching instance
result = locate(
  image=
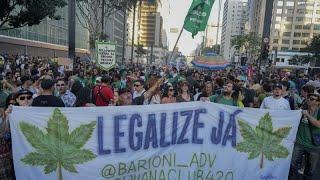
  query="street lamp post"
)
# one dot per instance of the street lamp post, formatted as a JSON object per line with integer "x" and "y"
{"x": 72, "y": 30}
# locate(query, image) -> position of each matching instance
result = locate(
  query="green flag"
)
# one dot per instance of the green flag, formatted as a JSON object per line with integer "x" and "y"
{"x": 198, "y": 15}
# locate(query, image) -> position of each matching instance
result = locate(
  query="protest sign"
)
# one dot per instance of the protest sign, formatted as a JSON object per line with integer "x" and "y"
{"x": 106, "y": 55}
{"x": 198, "y": 140}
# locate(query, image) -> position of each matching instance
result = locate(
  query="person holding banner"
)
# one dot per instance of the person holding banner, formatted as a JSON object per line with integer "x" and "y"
{"x": 308, "y": 140}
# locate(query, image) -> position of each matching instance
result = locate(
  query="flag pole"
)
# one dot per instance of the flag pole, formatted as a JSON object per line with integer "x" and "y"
{"x": 175, "y": 45}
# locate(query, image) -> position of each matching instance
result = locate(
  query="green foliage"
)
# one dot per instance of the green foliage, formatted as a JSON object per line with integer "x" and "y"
{"x": 301, "y": 60}
{"x": 140, "y": 51}
{"x": 57, "y": 148}
{"x": 314, "y": 46}
{"x": 18, "y": 13}
{"x": 263, "y": 140}
{"x": 248, "y": 43}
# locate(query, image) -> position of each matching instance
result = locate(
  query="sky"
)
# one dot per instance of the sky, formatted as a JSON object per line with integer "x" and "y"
{"x": 174, "y": 13}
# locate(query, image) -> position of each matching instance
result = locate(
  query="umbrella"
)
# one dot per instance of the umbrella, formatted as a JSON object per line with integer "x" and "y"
{"x": 210, "y": 61}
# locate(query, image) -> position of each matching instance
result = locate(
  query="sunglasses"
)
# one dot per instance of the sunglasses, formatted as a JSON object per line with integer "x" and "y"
{"x": 58, "y": 85}
{"x": 22, "y": 98}
{"x": 171, "y": 89}
{"x": 136, "y": 85}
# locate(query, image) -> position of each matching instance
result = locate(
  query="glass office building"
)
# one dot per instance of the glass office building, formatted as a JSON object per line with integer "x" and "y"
{"x": 48, "y": 34}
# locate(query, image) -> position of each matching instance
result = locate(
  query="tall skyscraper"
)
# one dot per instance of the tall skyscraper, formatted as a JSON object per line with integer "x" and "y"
{"x": 294, "y": 23}
{"x": 150, "y": 24}
{"x": 149, "y": 32}
{"x": 49, "y": 38}
{"x": 234, "y": 19}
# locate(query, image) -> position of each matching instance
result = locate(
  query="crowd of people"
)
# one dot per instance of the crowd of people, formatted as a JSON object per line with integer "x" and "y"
{"x": 35, "y": 81}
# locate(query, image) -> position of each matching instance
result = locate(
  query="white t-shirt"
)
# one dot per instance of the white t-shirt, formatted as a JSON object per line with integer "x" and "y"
{"x": 272, "y": 103}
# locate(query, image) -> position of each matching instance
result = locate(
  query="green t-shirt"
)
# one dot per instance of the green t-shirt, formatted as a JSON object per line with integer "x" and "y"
{"x": 221, "y": 100}
{"x": 304, "y": 134}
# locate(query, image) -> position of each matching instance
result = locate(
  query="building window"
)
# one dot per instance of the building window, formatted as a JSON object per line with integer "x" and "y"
{"x": 297, "y": 34}
{"x": 275, "y": 41}
{"x": 285, "y": 41}
{"x": 305, "y": 34}
{"x": 304, "y": 42}
{"x": 318, "y": 11}
{"x": 290, "y": 4}
{"x": 279, "y": 11}
{"x": 286, "y": 34}
{"x": 298, "y": 27}
{"x": 295, "y": 49}
{"x": 289, "y": 11}
{"x": 278, "y": 18}
{"x": 316, "y": 27}
{"x": 284, "y": 49}
{"x": 288, "y": 26}
{"x": 277, "y": 26}
{"x": 296, "y": 42}
{"x": 289, "y": 19}
{"x": 280, "y": 3}
{"x": 299, "y": 18}
{"x": 307, "y": 27}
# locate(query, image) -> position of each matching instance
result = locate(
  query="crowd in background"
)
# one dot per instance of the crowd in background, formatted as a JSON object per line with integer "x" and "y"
{"x": 36, "y": 81}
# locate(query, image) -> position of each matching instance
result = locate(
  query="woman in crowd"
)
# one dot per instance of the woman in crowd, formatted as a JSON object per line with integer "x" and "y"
{"x": 155, "y": 97}
{"x": 168, "y": 95}
{"x": 184, "y": 95}
{"x": 238, "y": 96}
{"x": 207, "y": 90}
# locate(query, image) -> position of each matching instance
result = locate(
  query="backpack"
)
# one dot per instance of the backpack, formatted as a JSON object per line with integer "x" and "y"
{"x": 219, "y": 97}
{"x": 101, "y": 95}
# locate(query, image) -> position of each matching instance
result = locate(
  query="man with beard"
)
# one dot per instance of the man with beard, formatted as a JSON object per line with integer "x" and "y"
{"x": 226, "y": 96}
{"x": 248, "y": 94}
{"x": 276, "y": 101}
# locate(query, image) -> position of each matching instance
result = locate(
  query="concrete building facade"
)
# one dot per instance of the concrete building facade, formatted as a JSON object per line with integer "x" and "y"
{"x": 49, "y": 38}
{"x": 233, "y": 24}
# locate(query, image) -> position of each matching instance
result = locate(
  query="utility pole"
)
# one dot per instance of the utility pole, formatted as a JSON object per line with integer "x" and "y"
{"x": 124, "y": 33}
{"x": 266, "y": 33}
{"x": 102, "y": 19}
{"x": 72, "y": 30}
{"x": 218, "y": 26}
{"x": 133, "y": 29}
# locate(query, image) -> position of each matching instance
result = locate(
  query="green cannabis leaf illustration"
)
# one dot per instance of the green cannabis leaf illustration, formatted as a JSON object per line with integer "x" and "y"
{"x": 263, "y": 140}
{"x": 57, "y": 148}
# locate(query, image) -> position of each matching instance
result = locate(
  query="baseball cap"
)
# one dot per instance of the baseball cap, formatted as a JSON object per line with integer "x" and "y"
{"x": 24, "y": 91}
{"x": 277, "y": 85}
{"x": 47, "y": 83}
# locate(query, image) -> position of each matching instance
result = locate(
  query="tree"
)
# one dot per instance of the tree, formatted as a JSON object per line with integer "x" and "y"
{"x": 58, "y": 149}
{"x": 20, "y": 13}
{"x": 301, "y": 60}
{"x": 263, "y": 141}
{"x": 91, "y": 15}
{"x": 140, "y": 52}
{"x": 249, "y": 44}
{"x": 314, "y": 48}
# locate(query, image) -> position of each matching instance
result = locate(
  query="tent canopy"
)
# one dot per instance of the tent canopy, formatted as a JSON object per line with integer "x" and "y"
{"x": 211, "y": 61}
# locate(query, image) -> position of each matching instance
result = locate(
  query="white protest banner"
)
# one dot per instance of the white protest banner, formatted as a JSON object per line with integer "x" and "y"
{"x": 187, "y": 141}
{"x": 106, "y": 55}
